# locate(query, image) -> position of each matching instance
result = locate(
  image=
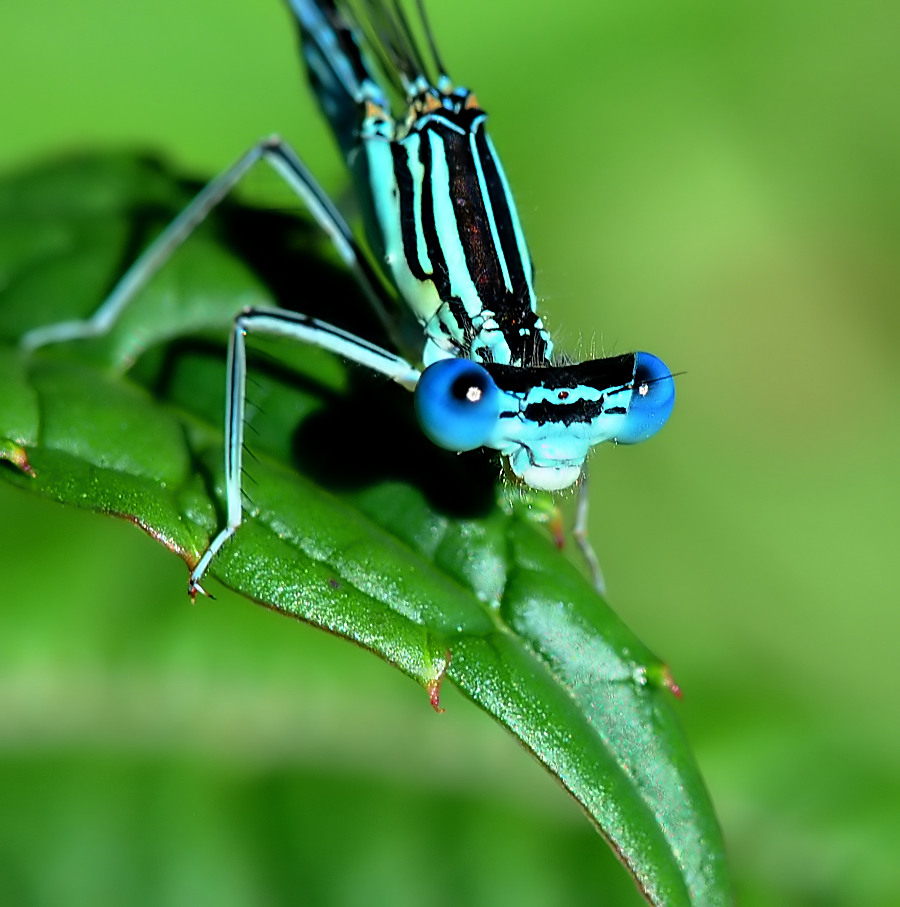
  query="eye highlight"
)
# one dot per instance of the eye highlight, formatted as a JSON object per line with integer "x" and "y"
{"x": 651, "y": 400}
{"x": 457, "y": 404}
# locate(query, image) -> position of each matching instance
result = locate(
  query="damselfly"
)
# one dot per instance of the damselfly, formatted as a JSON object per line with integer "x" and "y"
{"x": 445, "y": 233}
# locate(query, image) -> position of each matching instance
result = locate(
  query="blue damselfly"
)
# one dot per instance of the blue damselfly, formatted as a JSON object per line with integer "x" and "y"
{"x": 444, "y": 230}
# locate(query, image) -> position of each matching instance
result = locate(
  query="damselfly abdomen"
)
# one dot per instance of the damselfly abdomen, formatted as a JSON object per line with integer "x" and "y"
{"x": 445, "y": 233}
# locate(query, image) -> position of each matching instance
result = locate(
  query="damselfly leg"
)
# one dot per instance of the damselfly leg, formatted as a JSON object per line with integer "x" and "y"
{"x": 581, "y": 533}
{"x": 294, "y": 326}
{"x": 288, "y": 164}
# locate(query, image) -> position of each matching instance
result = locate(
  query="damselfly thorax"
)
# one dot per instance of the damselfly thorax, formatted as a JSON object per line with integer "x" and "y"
{"x": 447, "y": 230}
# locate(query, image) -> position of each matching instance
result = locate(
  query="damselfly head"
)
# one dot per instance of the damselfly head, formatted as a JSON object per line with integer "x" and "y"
{"x": 544, "y": 421}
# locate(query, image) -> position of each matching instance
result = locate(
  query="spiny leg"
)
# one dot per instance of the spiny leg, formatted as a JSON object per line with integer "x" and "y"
{"x": 282, "y": 323}
{"x": 581, "y": 536}
{"x": 291, "y": 168}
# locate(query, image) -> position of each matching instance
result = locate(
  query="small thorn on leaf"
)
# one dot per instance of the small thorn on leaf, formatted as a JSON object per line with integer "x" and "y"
{"x": 434, "y": 686}
{"x": 669, "y": 683}
{"x": 434, "y": 696}
{"x": 18, "y": 456}
{"x": 557, "y": 529}
{"x": 659, "y": 675}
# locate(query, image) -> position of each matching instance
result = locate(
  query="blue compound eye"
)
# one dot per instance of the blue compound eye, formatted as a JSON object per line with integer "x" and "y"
{"x": 651, "y": 401}
{"x": 457, "y": 403}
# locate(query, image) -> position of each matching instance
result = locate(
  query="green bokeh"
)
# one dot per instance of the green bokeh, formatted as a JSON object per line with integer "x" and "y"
{"x": 716, "y": 183}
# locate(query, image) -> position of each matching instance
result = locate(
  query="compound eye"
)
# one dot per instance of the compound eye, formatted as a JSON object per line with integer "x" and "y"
{"x": 457, "y": 404}
{"x": 651, "y": 400}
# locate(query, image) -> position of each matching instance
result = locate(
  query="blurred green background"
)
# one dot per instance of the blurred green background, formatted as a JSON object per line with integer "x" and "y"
{"x": 717, "y": 183}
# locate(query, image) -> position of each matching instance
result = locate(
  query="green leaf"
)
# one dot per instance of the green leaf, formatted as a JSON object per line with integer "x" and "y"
{"x": 354, "y": 523}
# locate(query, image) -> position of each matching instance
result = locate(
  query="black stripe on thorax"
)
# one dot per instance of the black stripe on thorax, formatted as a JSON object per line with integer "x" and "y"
{"x": 516, "y": 259}
{"x": 404, "y": 180}
{"x": 439, "y": 274}
{"x": 512, "y": 309}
